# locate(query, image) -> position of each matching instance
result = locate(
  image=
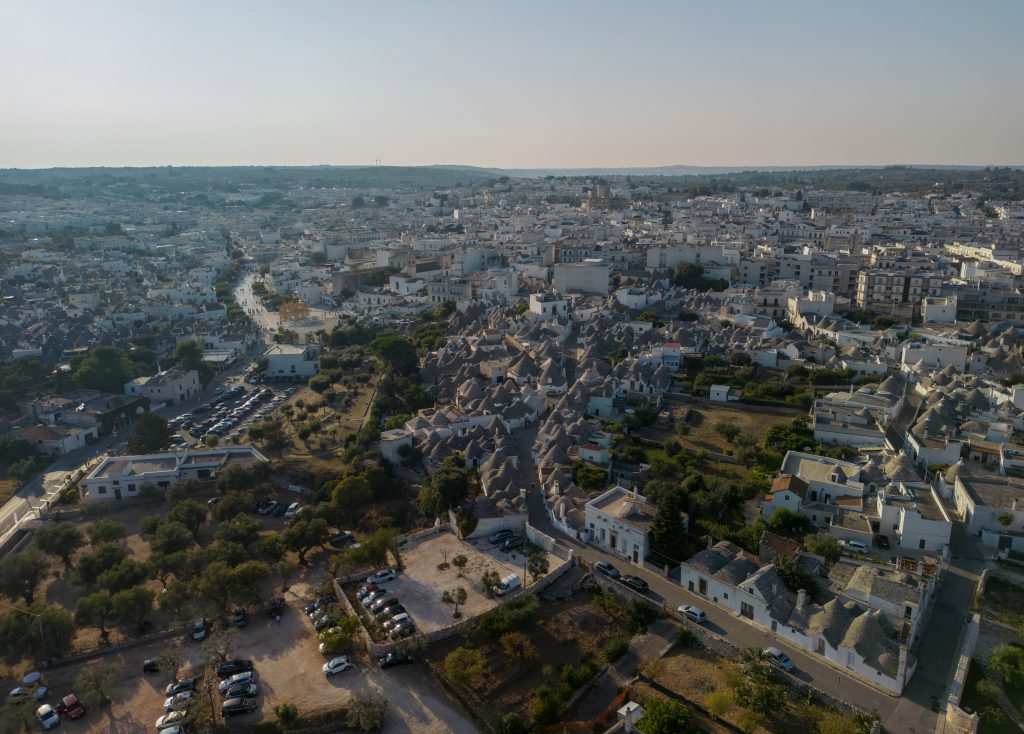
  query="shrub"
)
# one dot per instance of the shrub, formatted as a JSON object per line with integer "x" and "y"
{"x": 639, "y": 614}
{"x": 545, "y": 706}
{"x": 615, "y": 648}
{"x": 685, "y": 637}
{"x": 512, "y": 615}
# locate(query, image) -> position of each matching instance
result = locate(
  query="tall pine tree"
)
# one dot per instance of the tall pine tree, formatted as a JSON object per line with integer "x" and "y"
{"x": 668, "y": 531}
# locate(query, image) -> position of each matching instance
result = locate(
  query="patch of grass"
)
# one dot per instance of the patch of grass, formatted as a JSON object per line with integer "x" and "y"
{"x": 1004, "y": 600}
{"x": 615, "y": 648}
{"x": 973, "y": 700}
{"x": 7, "y": 489}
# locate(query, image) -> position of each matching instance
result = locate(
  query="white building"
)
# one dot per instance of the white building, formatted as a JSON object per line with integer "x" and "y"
{"x": 618, "y": 521}
{"x": 290, "y": 361}
{"x": 170, "y": 386}
{"x": 117, "y": 477}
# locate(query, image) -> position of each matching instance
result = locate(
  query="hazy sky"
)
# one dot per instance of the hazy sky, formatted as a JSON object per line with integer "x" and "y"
{"x": 511, "y": 84}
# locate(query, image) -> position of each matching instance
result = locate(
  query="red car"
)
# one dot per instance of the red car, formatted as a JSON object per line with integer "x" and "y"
{"x": 70, "y": 706}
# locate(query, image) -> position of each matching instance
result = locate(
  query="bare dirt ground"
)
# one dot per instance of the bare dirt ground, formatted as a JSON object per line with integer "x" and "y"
{"x": 703, "y": 418}
{"x": 421, "y": 583}
{"x": 288, "y": 666}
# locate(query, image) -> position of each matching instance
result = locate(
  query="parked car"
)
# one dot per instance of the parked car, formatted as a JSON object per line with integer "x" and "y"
{"x": 71, "y": 707}
{"x": 239, "y": 618}
{"x": 178, "y": 700}
{"x": 635, "y": 582}
{"x": 392, "y": 659}
{"x": 388, "y": 612}
{"x": 342, "y": 540}
{"x": 402, "y": 630}
{"x": 276, "y": 607}
{"x": 387, "y": 601}
{"x": 510, "y": 544}
{"x": 245, "y": 677}
{"x": 185, "y": 684}
{"x": 397, "y": 620}
{"x": 776, "y": 657}
{"x": 364, "y": 590}
{"x": 173, "y": 719}
{"x": 607, "y": 569}
{"x": 323, "y": 623}
{"x": 854, "y": 546}
{"x": 49, "y": 718}
{"x": 151, "y": 666}
{"x": 36, "y": 692}
{"x": 243, "y": 690}
{"x": 313, "y": 607}
{"x": 500, "y": 537}
{"x": 268, "y": 507}
{"x": 236, "y": 706}
{"x": 373, "y": 596}
{"x": 381, "y": 576}
{"x": 233, "y": 667}
{"x": 694, "y": 614}
{"x": 882, "y": 541}
{"x": 200, "y": 628}
{"x": 337, "y": 665}
{"x": 292, "y": 509}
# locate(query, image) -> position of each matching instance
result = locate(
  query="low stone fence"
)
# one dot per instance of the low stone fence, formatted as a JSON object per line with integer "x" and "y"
{"x": 102, "y": 650}
{"x": 956, "y": 718}
{"x": 548, "y": 543}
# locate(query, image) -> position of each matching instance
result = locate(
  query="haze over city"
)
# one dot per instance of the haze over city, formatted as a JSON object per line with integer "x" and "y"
{"x": 514, "y": 85}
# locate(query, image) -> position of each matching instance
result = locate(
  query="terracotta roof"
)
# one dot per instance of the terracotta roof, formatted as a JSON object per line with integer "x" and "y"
{"x": 778, "y": 545}
{"x": 796, "y": 485}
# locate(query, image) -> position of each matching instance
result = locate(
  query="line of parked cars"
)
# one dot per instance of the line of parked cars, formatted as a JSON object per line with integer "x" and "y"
{"x": 234, "y": 409}
{"x": 237, "y": 685}
{"x": 384, "y": 606}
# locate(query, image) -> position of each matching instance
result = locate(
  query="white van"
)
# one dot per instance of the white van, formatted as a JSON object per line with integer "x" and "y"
{"x": 509, "y": 583}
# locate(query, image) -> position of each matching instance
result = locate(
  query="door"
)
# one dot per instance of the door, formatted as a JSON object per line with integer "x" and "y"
{"x": 636, "y": 554}
{"x": 117, "y": 493}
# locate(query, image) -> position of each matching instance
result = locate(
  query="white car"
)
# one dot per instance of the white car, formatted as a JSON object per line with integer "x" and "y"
{"x": 776, "y": 657}
{"x": 694, "y": 614}
{"x": 854, "y": 546}
{"x": 179, "y": 700}
{"x": 381, "y": 576}
{"x": 337, "y": 665}
{"x": 47, "y": 716}
{"x": 168, "y": 721}
{"x": 246, "y": 677}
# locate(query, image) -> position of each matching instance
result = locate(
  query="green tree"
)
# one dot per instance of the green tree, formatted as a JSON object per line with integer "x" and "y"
{"x": 796, "y": 577}
{"x": 96, "y": 683}
{"x": 489, "y": 583}
{"x": 789, "y": 523}
{"x": 124, "y": 575}
{"x": 668, "y": 530}
{"x": 510, "y": 723}
{"x": 189, "y": 354}
{"x": 105, "y": 531}
{"x": 132, "y": 606}
{"x": 21, "y": 574}
{"x": 60, "y": 539}
{"x": 243, "y": 529}
{"x": 662, "y": 716}
{"x": 537, "y": 565}
{"x": 823, "y": 545}
{"x": 171, "y": 537}
{"x": 95, "y": 610}
{"x": 464, "y": 665}
{"x": 728, "y": 431}
{"x": 304, "y": 535}
{"x": 460, "y": 562}
{"x": 449, "y": 486}
{"x": 104, "y": 368}
{"x": 150, "y": 434}
{"x": 398, "y": 354}
{"x": 174, "y": 598}
{"x": 189, "y": 513}
{"x": 95, "y": 562}
{"x": 350, "y": 496}
{"x": 45, "y": 632}
{"x": 456, "y": 598}
{"x": 286, "y": 716}
{"x": 1008, "y": 662}
{"x": 517, "y": 646}
{"x": 761, "y": 689}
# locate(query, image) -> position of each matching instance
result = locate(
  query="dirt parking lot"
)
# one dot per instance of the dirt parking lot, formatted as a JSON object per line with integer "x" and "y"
{"x": 421, "y": 583}
{"x": 288, "y": 666}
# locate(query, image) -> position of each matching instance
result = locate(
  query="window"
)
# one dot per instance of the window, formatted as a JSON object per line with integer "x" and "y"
{"x": 101, "y": 490}
{"x": 920, "y": 544}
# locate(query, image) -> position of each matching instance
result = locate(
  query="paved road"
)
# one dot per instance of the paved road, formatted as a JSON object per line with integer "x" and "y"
{"x": 269, "y": 321}
{"x": 914, "y": 713}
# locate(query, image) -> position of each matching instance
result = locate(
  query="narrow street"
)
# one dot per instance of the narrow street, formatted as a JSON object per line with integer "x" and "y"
{"x": 913, "y": 713}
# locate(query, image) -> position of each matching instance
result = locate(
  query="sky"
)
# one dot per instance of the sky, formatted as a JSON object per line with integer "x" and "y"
{"x": 513, "y": 84}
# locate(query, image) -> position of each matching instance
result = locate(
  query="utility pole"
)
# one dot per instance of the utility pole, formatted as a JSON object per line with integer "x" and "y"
{"x": 39, "y": 621}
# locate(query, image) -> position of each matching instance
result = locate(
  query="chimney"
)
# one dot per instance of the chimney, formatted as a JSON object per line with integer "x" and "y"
{"x": 711, "y": 541}
{"x": 801, "y": 600}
